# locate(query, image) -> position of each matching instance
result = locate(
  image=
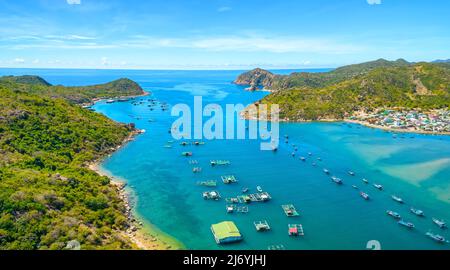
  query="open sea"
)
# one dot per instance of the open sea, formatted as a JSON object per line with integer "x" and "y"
{"x": 412, "y": 166}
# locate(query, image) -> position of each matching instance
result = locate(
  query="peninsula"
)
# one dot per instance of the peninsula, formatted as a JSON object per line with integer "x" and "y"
{"x": 50, "y": 198}
{"x": 395, "y": 95}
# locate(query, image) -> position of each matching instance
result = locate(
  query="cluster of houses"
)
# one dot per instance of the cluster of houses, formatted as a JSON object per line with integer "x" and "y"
{"x": 437, "y": 121}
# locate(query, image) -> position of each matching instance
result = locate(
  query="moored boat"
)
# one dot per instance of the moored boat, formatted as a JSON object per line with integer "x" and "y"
{"x": 365, "y": 181}
{"x": 440, "y": 223}
{"x": 380, "y": 187}
{"x": 351, "y": 173}
{"x": 417, "y": 212}
{"x": 408, "y": 225}
{"x": 337, "y": 180}
{"x": 397, "y": 199}
{"x": 365, "y": 196}
{"x": 326, "y": 171}
{"x": 393, "y": 214}
{"x": 436, "y": 237}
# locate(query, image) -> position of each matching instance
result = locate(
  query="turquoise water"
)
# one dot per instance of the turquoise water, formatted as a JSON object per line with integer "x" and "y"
{"x": 414, "y": 167}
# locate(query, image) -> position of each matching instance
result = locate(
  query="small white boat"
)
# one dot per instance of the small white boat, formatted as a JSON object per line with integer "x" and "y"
{"x": 440, "y": 223}
{"x": 417, "y": 212}
{"x": 365, "y": 181}
{"x": 397, "y": 199}
{"x": 393, "y": 214}
{"x": 380, "y": 187}
{"x": 326, "y": 171}
{"x": 408, "y": 225}
{"x": 436, "y": 237}
{"x": 302, "y": 158}
{"x": 365, "y": 196}
{"x": 355, "y": 187}
{"x": 337, "y": 180}
{"x": 351, "y": 173}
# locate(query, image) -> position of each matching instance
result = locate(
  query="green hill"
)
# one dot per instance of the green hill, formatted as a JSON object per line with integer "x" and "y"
{"x": 367, "y": 87}
{"x": 263, "y": 78}
{"x": 47, "y": 195}
{"x": 74, "y": 94}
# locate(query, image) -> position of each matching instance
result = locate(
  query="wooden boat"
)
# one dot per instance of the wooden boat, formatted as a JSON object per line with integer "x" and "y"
{"x": 209, "y": 183}
{"x": 393, "y": 214}
{"x": 220, "y": 162}
{"x": 261, "y": 226}
{"x": 440, "y": 223}
{"x": 229, "y": 179}
{"x": 290, "y": 210}
{"x": 295, "y": 230}
{"x": 211, "y": 195}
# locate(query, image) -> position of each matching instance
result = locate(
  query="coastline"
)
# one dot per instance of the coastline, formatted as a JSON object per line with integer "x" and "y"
{"x": 143, "y": 234}
{"x": 140, "y": 232}
{"x": 363, "y": 123}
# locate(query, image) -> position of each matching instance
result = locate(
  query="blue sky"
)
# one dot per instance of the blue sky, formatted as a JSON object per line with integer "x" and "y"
{"x": 220, "y": 34}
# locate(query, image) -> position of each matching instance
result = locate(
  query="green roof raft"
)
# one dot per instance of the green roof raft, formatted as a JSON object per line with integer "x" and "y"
{"x": 226, "y": 232}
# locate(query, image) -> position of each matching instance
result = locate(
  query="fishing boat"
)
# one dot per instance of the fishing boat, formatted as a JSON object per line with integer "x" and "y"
{"x": 229, "y": 179}
{"x": 365, "y": 196}
{"x": 397, "y": 199}
{"x": 436, "y": 237}
{"x": 295, "y": 230}
{"x": 337, "y": 180}
{"x": 440, "y": 223}
{"x": 326, "y": 171}
{"x": 261, "y": 226}
{"x": 379, "y": 187}
{"x": 209, "y": 183}
{"x": 365, "y": 181}
{"x": 355, "y": 187}
{"x": 293, "y": 154}
{"x": 302, "y": 158}
{"x": 290, "y": 210}
{"x": 417, "y": 212}
{"x": 220, "y": 162}
{"x": 393, "y": 214}
{"x": 351, "y": 173}
{"x": 186, "y": 154}
{"x": 309, "y": 154}
{"x": 259, "y": 189}
{"x": 319, "y": 159}
{"x": 211, "y": 195}
{"x": 408, "y": 225}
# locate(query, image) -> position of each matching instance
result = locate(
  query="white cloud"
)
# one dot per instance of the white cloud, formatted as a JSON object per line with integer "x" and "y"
{"x": 224, "y": 9}
{"x": 245, "y": 44}
{"x": 73, "y": 2}
{"x": 374, "y": 2}
{"x": 105, "y": 61}
{"x": 19, "y": 61}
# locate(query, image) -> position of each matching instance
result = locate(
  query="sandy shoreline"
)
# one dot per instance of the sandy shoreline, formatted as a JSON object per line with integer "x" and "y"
{"x": 143, "y": 234}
